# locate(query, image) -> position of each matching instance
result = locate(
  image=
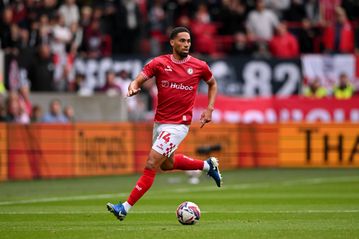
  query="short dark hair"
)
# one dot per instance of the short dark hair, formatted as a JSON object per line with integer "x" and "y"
{"x": 177, "y": 30}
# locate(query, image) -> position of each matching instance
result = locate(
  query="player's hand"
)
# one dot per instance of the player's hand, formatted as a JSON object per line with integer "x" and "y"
{"x": 206, "y": 117}
{"x": 132, "y": 90}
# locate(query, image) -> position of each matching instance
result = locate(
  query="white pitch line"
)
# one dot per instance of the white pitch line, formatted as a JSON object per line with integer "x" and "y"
{"x": 172, "y": 212}
{"x": 271, "y": 184}
{"x": 191, "y": 189}
{"x": 60, "y": 199}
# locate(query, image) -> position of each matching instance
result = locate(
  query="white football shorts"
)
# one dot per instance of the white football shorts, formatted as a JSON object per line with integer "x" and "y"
{"x": 167, "y": 137}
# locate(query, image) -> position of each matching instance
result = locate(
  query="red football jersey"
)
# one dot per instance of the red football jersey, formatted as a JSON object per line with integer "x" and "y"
{"x": 177, "y": 83}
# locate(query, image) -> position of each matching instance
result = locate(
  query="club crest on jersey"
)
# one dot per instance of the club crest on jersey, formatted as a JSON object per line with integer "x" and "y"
{"x": 190, "y": 71}
{"x": 168, "y": 68}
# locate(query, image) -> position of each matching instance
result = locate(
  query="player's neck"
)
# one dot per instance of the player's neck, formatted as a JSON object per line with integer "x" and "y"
{"x": 178, "y": 59}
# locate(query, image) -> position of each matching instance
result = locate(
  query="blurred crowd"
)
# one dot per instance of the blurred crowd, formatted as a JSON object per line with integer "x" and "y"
{"x": 17, "y": 108}
{"x": 342, "y": 90}
{"x": 42, "y": 38}
{"x": 98, "y": 28}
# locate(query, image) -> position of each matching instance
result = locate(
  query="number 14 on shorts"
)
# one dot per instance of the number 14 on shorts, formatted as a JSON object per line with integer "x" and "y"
{"x": 163, "y": 144}
{"x": 165, "y": 136}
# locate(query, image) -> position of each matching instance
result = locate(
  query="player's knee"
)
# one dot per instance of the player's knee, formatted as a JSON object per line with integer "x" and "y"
{"x": 151, "y": 165}
{"x": 167, "y": 166}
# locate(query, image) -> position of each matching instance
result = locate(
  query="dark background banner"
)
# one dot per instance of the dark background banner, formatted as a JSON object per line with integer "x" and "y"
{"x": 250, "y": 77}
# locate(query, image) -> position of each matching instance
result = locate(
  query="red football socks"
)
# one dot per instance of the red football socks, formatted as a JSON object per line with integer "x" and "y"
{"x": 186, "y": 163}
{"x": 143, "y": 184}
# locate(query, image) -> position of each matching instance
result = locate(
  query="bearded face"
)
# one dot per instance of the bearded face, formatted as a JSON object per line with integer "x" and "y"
{"x": 181, "y": 44}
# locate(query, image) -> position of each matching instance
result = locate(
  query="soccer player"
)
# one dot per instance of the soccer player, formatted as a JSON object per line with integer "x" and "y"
{"x": 177, "y": 78}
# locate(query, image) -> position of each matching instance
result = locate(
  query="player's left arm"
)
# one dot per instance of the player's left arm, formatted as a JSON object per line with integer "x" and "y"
{"x": 206, "y": 115}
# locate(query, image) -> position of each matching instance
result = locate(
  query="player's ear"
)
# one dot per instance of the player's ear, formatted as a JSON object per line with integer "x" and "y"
{"x": 172, "y": 42}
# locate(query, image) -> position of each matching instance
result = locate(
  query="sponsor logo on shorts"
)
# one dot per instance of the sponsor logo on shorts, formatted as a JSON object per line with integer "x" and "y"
{"x": 159, "y": 146}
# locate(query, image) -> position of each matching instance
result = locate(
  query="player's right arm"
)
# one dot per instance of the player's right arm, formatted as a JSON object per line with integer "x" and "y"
{"x": 135, "y": 86}
{"x": 148, "y": 71}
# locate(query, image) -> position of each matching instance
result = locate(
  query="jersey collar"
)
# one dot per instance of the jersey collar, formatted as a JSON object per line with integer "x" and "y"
{"x": 180, "y": 61}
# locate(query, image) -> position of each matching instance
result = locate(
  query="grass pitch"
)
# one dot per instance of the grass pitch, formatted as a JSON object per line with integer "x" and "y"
{"x": 261, "y": 203}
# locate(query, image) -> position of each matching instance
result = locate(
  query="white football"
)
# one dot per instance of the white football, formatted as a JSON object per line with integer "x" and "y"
{"x": 188, "y": 213}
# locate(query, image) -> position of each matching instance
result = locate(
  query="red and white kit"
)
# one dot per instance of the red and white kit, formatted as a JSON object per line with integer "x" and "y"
{"x": 167, "y": 137}
{"x": 177, "y": 83}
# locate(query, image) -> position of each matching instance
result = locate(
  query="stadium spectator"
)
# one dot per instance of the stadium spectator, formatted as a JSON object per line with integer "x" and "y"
{"x": 20, "y": 14}
{"x": 123, "y": 80}
{"x": 180, "y": 8}
{"x": 184, "y": 21}
{"x": 280, "y": 6}
{"x": 351, "y": 7}
{"x": 339, "y": 37}
{"x": 16, "y": 111}
{"x": 70, "y": 12}
{"x": 3, "y": 113}
{"x": 69, "y": 113}
{"x": 204, "y": 32}
{"x": 96, "y": 44}
{"x": 77, "y": 38}
{"x": 177, "y": 79}
{"x": 328, "y": 11}
{"x": 32, "y": 9}
{"x": 60, "y": 43}
{"x": 296, "y": 12}
{"x": 61, "y": 36}
{"x": 232, "y": 17}
{"x": 343, "y": 90}
{"x": 14, "y": 40}
{"x": 36, "y": 114}
{"x": 5, "y": 29}
{"x": 28, "y": 24}
{"x": 78, "y": 82}
{"x": 86, "y": 17}
{"x": 312, "y": 11}
{"x": 136, "y": 106}
{"x": 2, "y": 88}
{"x": 54, "y": 114}
{"x": 48, "y": 8}
{"x": 157, "y": 26}
{"x": 106, "y": 19}
{"x": 283, "y": 44}
{"x": 306, "y": 36}
{"x": 24, "y": 98}
{"x": 41, "y": 31}
{"x": 128, "y": 21}
{"x": 15, "y": 75}
{"x": 41, "y": 71}
{"x": 261, "y": 23}
{"x": 111, "y": 88}
{"x": 64, "y": 74}
{"x": 242, "y": 45}
{"x": 315, "y": 90}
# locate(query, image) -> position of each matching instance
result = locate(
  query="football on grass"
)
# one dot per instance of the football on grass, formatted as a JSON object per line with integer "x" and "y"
{"x": 188, "y": 213}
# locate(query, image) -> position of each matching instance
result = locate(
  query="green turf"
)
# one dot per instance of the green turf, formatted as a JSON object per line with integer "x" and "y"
{"x": 265, "y": 203}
